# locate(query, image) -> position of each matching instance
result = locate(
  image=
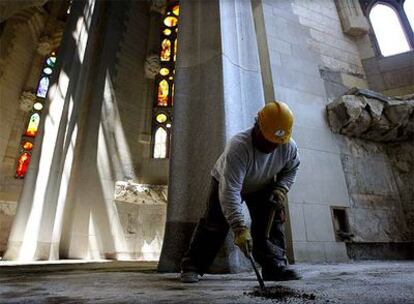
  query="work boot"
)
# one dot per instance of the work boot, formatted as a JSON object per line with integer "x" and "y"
{"x": 189, "y": 277}
{"x": 280, "y": 274}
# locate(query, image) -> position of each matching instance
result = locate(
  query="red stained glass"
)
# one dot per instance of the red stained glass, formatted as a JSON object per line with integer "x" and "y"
{"x": 27, "y": 146}
{"x": 22, "y": 164}
{"x": 163, "y": 90}
{"x": 33, "y": 125}
{"x": 165, "y": 50}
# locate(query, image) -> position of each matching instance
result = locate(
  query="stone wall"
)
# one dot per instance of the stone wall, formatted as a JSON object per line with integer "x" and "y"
{"x": 135, "y": 96}
{"x": 391, "y": 75}
{"x": 18, "y": 65}
{"x": 305, "y": 43}
{"x": 142, "y": 211}
{"x": 378, "y": 169}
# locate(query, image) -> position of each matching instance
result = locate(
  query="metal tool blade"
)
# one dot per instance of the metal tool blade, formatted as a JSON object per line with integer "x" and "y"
{"x": 259, "y": 277}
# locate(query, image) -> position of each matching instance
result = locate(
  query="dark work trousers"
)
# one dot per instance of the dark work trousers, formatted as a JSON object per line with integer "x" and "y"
{"x": 212, "y": 230}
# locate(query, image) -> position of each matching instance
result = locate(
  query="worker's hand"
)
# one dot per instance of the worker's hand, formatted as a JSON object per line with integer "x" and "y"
{"x": 243, "y": 240}
{"x": 280, "y": 194}
{"x": 279, "y": 201}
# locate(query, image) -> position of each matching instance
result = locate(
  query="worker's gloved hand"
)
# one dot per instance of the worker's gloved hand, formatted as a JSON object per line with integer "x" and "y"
{"x": 243, "y": 239}
{"x": 280, "y": 194}
{"x": 279, "y": 201}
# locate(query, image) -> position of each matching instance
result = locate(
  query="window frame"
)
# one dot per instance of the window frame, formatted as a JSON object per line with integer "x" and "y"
{"x": 398, "y": 6}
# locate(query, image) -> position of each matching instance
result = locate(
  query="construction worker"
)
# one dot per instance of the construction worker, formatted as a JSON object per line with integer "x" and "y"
{"x": 258, "y": 166}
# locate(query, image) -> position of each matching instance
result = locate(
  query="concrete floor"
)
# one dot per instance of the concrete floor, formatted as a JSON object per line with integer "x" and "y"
{"x": 132, "y": 282}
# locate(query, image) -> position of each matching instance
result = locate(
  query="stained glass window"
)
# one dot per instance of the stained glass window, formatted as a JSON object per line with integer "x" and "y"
{"x": 165, "y": 50}
{"x": 43, "y": 87}
{"x": 44, "y": 81}
{"x": 22, "y": 164}
{"x": 160, "y": 145}
{"x": 32, "y": 126}
{"x": 164, "y": 82}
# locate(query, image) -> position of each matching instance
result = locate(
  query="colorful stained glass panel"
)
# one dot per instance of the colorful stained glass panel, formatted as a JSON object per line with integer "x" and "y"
{"x": 33, "y": 125}
{"x": 165, "y": 50}
{"x": 43, "y": 87}
{"x": 161, "y": 118}
{"x": 27, "y": 145}
{"x": 163, "y": 89}
{"x": 170, "y": 21}
{"x": 22, "y": 164}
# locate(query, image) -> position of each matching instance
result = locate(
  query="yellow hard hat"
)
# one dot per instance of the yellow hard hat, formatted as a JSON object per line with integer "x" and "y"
{"x": 275, "y": 122}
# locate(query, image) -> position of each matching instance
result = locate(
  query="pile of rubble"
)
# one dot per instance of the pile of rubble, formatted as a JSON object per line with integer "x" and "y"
{"x": 370, "y": 115}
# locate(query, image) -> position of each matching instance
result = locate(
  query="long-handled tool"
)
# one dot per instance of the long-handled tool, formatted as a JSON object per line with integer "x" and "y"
{"x": 259, "y": 277}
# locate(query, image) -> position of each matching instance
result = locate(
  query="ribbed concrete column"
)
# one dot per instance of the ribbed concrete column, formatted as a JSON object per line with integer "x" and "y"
{"x": 37, "y": 226}
{"x": 218, "y": 92}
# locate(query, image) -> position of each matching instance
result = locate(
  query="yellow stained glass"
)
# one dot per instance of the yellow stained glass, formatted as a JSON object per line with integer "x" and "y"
{"x": 164, "y": 71}
{"x": 165, "y": 50}
{"x": 33, "y": 125}
{"x": 27, "y": 145}
{"x": 176, "y": 10}
{"x": 167, "y": 32}
{"x": 161, "y": 118}
{"x": 163, "y": 91}
{"x": 175, "y": 49}
{"x": 170, "y": 21}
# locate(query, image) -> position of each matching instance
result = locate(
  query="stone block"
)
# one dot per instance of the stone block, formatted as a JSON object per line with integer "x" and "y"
{"x": 318, "y": 222}
{"x": 370, "y": 179}
{"x": 335, "y": 252}
{"x": 353, "y": 81}
{"x": 396, "y": 62}
{"x": 308, "y": 252}
{"x": 297, "y": 222}
{"x": 297, "y": 64}
{"x": 279, "y": 45}
{"x": 320, "y": 179}
{"x": 314, "y": 138}
{"x": 299, "y": 81}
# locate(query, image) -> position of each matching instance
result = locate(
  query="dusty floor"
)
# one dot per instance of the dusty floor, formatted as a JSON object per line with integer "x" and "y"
{"x": 359, "y": 282}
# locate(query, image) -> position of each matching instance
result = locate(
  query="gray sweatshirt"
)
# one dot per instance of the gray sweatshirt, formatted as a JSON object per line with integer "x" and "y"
{"x": 243, "y": 169}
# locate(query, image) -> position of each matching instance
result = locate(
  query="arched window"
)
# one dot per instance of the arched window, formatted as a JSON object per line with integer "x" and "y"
{"x": 32, "y": 126}
{"x": 409, "y": 11}
{"x": 164, "y": 83}
{"x": 160, "y": 143}
{"x": 388, "y": 30}
{"x": 392, "y": 23}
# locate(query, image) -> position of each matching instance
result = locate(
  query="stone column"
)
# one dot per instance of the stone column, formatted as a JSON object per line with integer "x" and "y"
{"x": 218, "y": 93}
{"x": 38, "y": 222}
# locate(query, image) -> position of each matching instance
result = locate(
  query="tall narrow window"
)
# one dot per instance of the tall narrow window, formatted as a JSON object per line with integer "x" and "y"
{"x": 164, "y": 83}
{"x": 26, "y": 144}
{"x": 409, "y": 11}
{"x": 160, "y": 143}
{"x": 388, "y": 30}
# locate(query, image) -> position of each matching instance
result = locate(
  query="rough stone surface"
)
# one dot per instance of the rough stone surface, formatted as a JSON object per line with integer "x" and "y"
{"x": 140, "y": 194}
{"x": 360, "y": 113}
{"x": 367, "y": 282}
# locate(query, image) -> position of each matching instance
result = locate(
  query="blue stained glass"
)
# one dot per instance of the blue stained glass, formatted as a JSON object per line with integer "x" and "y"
{"x": 43, "y": 86}
{"x": 51, "y": 61}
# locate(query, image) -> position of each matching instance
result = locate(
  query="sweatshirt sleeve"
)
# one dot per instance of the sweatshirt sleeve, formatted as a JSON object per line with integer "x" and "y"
{"x": 286, "y": 177}
{"x": 230, "y": 185}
